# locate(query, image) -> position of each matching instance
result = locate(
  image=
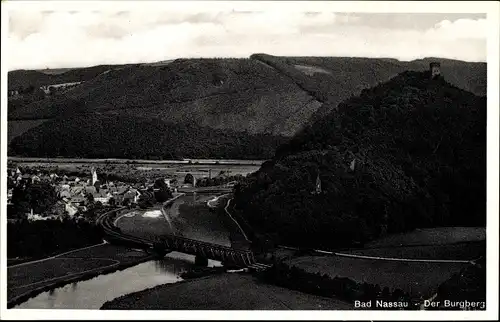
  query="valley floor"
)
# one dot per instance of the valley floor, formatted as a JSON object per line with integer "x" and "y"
{"x": 244, "y": 292}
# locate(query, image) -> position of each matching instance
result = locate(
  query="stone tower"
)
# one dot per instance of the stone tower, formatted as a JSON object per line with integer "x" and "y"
{"x": 318, "y": 185}
{"x": 435, "y": 69}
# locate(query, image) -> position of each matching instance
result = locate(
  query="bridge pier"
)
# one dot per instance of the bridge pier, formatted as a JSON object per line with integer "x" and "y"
{"x": 242, "y": 257}
{"x": 249, "y": 259}
{"x": 201, "y": 261}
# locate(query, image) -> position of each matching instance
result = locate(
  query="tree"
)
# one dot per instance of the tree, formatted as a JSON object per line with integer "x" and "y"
{"x": 146, "y": 200}
{"x": 162, "y": 192}
{"x": 90, "y": 198}
{"x": 112, "y": 202}
{"x": 40, "y": 197}
{"x": 30, "y": 89}
{"x": 97, "y": 185}
{"x": 189, "y": 178}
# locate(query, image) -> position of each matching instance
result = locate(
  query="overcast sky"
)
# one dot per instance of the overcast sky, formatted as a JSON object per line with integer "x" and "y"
{"x": 56, "y": 39}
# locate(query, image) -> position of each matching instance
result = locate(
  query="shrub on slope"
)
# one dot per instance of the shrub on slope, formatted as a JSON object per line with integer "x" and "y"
{"x": 420, "y": 151}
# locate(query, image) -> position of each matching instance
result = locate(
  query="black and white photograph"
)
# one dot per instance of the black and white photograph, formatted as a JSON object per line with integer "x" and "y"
{"x": 172, "y": 159}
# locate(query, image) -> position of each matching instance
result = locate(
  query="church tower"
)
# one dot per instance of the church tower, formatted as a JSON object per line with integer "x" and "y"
{"x": 94, "y": 176}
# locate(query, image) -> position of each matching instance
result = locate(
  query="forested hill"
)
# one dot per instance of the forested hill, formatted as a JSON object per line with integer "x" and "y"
{"x": 263, "y": 96}
{"x": 407, "y": 153}
{"x": 126, "y": 136}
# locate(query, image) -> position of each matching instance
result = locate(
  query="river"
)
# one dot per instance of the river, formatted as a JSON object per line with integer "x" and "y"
{"x": 93, "y": 293}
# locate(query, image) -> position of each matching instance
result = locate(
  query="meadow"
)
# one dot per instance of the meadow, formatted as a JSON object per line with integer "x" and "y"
{"x": 134, "y": 223}
{"x": 230, "y": 292}
{"x": 417, "y": 278}
{"x": 432, "y": 236}
{"x": 31, "y": 278}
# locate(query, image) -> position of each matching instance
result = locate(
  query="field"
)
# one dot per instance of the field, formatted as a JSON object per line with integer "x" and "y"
{"x": 31, "y": 277}
{"x": 223, "y": 292}
{"x": 134, "y": 223}
{"x": 196, "y": 221}
{"x": 457, "y": 251}
{"x": 189, "y": 217}
{"x": 432, "y": 236}
{"x": 416, "y": 278}
{"x": 18, "y": 279}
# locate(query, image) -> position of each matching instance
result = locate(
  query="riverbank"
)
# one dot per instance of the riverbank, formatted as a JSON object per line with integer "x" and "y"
{"x": 27, "y": 281}
{"x": 227, "y": 291}
{"x": 198, "y": 272}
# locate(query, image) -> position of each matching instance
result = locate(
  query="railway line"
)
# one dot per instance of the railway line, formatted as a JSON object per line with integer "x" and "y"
{"x": 114, "y": 234}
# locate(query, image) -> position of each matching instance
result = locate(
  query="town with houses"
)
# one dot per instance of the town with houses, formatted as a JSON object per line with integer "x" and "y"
{"x": 74, "y": 193}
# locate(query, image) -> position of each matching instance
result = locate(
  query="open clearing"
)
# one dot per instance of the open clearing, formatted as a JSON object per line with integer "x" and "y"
{"x": 223, "y": 292}
{"x": 311, "y": 70}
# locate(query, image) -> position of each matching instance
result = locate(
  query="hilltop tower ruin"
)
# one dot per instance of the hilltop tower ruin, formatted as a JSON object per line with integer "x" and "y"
{"x": 435, "y": 69}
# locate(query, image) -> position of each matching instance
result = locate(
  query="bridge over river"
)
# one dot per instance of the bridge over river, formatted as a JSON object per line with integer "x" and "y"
{"x": 167, "y": 242}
